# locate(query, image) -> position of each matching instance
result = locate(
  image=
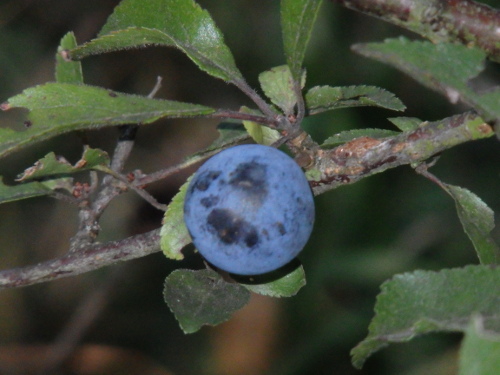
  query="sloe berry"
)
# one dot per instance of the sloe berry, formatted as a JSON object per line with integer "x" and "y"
{"x": 249, "y": 209}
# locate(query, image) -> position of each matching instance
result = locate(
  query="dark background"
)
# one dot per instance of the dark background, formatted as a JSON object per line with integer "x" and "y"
{"x": 365, "y": 233}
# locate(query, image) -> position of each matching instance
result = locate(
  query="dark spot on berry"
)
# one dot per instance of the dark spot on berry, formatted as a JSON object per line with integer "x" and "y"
{"x": 112, "y": 94}
{"x": 28, "y": 124}
{"x": 205, "y": 179}
{"x": 231, "y": 228}
{"x": 280, "y": 227}
{"x": 252, "y": 238}
{"x": 209, "y": 201}
{"x": 250, "y": 177}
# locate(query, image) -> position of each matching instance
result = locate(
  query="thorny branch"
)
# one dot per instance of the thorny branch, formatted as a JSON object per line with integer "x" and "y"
{"x": 462, "y": 21}
{"x": 342, "y": 165}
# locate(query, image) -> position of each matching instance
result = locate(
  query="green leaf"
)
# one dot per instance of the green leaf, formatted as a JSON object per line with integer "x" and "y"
{"x": 57, "y": 108}
{"x": 199, "y": 298}
{"x": 53, "y": 165}
{"x": 480, "y": 351}
{"x": 68, "y": 71}
{"x": 349, "y": 135}
{"x": 446, "y": 68}
{"x": 261, "y": 134}
{"x": 180, "y": 23}
{"x": 406, "y": 124}
{"x": 229, "y": 134}
{"x": 421, "y": 302}
{"x": 278, "y": 85}
{"x": 325, "y": 98}
{"x": 32, "y": 189}
{"x": 286, "y": 286}
{"x": 297, "y": 21}
{"x": 478, "y": 221}
{"x": 174, "y": 234}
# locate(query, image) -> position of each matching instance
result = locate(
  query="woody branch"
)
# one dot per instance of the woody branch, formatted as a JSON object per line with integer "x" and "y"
{"x": 342, "y": 165}
{"x": 462, "y": 21}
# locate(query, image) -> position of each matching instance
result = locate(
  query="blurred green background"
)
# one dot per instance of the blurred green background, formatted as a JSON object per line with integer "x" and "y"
{"x": 365, "y": 233}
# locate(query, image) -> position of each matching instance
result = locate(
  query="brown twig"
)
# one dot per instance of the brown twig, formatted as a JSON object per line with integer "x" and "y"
{"x": 88, "y": 259}
{"x": 164, "y": 173}
{"x": 366, "y": 156}
{"x": 256, "y": 98}
{"x": 342, "y": 165}
{"x": 463, "y": 21}
{"x": 228, "y": 114}
{"x": 91, "y": 210}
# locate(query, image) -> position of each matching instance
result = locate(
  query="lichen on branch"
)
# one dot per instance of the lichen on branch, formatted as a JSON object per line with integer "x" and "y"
{"x": 463, "y": 21}
{"x": 365, "y": 156}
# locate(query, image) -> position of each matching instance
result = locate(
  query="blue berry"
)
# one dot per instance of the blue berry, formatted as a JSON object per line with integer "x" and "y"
{"x": 249, "y": 209}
